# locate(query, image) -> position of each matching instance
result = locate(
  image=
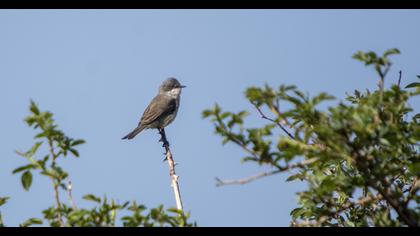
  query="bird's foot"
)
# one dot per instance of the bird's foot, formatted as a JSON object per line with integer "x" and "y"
{"x": 163, "y": 139}
{"x": 164, "y": 143}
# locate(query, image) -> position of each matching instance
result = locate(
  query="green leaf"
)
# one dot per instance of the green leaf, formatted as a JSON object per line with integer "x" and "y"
{"x": 391, "y": 51}
{"x": 33, "y": 108}
{"x": 59, "y": 172}
{"x": 31, "y": 151}
{"x": 78, "y": 142}
{"x": 243, "y": 114}
{"x": 31, "y": 221}
{"x": 349, "y": 224}
{"x": 3, "y": 200}
{"x": 22, "y": 168}
{"x": 75, "y": 152}
{"x": 372, "y": 55}
{"x": 293, "y": 177}
{"x": 42, "y": 134}
{"x": 412, "y": 85}
{"x": 297, "y": 212}
{"x": 224, "y": 115}
{"x": 47, "y": 173}
{"x": 206, "y": 113}
{"x": 216, "y": 109}
{"x": 26, "y": 180}
{"x": 384, "y": 142}
{"x": 359, "y": 55}
{"x": 175, "y": 210}
{"x": 253, "y": 94}
{"x": 91, "y": 197}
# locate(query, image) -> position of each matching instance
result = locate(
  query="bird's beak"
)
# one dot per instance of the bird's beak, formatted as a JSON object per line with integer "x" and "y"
{"x": 183, "y": 86}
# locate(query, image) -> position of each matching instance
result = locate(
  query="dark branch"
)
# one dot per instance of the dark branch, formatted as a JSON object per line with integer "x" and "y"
{"x": 276, "y": 122}
{"x": 164, "y": 141}
{"x": 399, "y": 79}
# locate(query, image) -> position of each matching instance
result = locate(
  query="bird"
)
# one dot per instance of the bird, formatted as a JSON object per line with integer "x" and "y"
{"x": 163, "y": 108}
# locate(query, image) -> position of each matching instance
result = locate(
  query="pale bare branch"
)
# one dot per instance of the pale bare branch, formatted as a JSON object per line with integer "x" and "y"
{"x": 69, "y": 193}
{"x": 245, "y": 180}
{"x": 171, "y": 163}
{"x": 264, "y": 174}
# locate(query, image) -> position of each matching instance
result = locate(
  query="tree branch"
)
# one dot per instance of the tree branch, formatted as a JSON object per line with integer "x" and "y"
{"x": 245, "y": 180}
{"x": 171, "y": 163}
{"x": 235, "y": 140}
{"x": 402, "y": 212}
{"x": 243, "y": 146}
{"x": 275, "y": 122}
{"x": 55, "y": 184}
{"x": 387, "y": 194}
{"x": 264, "y": 174}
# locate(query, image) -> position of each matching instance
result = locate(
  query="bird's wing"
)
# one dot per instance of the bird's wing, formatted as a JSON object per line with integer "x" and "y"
{"x": 160, "y": 105}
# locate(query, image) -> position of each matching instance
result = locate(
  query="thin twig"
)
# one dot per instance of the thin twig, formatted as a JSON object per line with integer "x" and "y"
{"x": 171, "y": 163}
{"x": 275, "y": 108}
{"x": 276, "y": 122}
{"x": 55, "y": 184}
{"x": 237, "y": 141}
{"x": 264, "y": 174}
{"x": 381, "y": 82}
{"x": 245, "y": 180}
{"x": 69, "y": 192}
{"x": 399, "y": 79}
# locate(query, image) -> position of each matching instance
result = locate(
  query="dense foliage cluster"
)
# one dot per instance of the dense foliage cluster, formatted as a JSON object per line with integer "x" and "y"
{"x": 360, "y": 158}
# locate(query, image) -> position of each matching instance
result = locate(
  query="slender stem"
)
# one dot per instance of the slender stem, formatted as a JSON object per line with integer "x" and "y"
{"x": 171, "y": 163}
{"x": 235, "y": 140}
{"x": 55, "y": 184}
{"x": 276, "y": 122}
{"x": 69, "y": 192}
{"x": 399, "y": 79}
{"x": 381, "y": 82}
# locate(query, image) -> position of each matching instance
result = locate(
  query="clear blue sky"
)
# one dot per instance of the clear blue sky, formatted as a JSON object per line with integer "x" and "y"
{"x": 97, "y": 70}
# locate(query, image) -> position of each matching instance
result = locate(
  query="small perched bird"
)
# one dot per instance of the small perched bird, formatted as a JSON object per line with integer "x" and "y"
{"x": 162, "y": 109}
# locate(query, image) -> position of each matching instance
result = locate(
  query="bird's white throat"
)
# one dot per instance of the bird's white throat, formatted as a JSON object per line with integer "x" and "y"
{"x": 175, "y": 92}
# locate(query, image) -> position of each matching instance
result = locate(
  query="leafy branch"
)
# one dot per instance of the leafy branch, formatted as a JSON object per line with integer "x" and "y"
{"x": 361, "y": 156}
{"x": 105, "y": 212}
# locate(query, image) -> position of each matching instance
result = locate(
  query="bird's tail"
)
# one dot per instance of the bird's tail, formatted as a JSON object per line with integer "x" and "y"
{"x": 133, "y": 133}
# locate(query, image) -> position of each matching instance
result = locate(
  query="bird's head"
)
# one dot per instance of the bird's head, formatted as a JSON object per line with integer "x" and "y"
{"x": 171, "y": 87}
